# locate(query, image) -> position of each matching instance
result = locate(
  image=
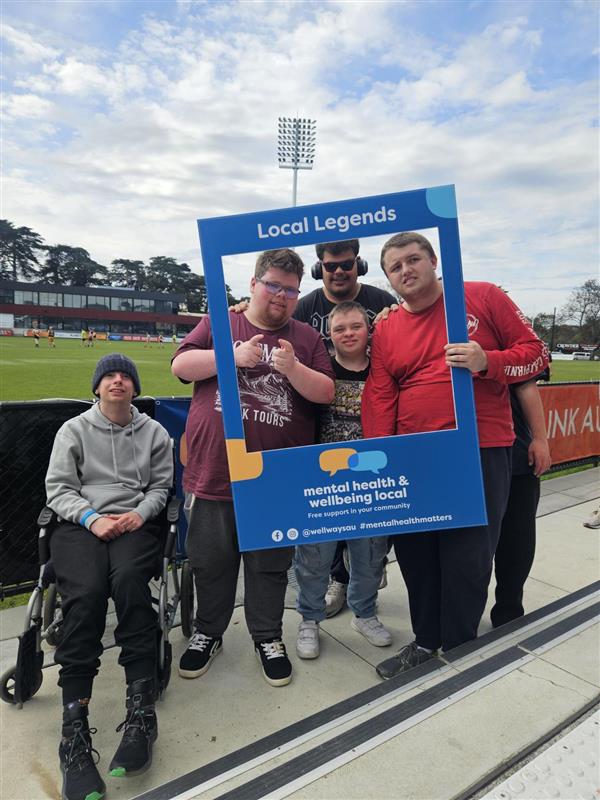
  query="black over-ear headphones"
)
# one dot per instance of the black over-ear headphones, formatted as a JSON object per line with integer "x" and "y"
{"x": 316, "y": 270}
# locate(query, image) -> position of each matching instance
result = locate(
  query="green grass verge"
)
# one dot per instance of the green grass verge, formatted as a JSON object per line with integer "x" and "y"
{"x": 567, "y": 471}
{"x": 36, "y": 374}
{"x": 14, "y": 602}
{"x": 574, "y": 371}
{"x": 30, "y": 373}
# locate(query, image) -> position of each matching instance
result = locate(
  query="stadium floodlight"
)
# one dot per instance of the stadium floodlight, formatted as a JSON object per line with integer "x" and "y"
{"x": 296, "y": 145}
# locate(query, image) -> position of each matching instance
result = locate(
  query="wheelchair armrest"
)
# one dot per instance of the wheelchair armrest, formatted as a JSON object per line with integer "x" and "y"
{"x": 46, "y": 517}
{"x": 173, "y": 509}
{"x": 46, "y": 520}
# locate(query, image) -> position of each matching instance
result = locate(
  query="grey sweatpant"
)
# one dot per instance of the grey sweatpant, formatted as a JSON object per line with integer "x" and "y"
{"x": 213, "y": 552}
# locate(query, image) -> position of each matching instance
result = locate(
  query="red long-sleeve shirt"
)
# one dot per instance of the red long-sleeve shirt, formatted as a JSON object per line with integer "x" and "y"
{"x": 409, "y": 388}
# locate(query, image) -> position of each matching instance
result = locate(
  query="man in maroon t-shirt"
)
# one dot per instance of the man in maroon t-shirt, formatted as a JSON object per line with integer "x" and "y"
{"x": 283, "y": 373}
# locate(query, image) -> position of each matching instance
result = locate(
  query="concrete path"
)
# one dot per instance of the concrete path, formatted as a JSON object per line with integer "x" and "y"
{"x": 435, "y": 735}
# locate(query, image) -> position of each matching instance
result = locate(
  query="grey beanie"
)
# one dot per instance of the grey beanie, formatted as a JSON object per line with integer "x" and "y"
{"x": 115, "y": 362}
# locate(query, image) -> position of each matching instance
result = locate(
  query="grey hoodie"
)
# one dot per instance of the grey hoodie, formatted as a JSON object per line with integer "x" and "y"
{"x": 97, "y": 467}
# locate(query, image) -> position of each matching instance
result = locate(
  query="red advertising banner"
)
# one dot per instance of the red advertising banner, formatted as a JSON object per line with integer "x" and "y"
{"x": 572, "y": 413}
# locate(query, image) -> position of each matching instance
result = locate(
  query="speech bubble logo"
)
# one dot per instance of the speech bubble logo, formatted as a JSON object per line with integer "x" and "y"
{"x": 332, "y": 461}
{"x": 371, "y": 461}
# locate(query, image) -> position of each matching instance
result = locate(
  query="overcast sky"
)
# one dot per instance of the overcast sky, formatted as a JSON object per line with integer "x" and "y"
{"x": 123, "y": 122}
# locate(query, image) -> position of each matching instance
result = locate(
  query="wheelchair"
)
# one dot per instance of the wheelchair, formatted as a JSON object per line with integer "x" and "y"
{"x": 43, "y": 617}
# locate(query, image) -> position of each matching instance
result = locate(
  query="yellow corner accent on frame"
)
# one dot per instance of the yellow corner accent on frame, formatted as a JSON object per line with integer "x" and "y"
{"x": 243, "y": 466}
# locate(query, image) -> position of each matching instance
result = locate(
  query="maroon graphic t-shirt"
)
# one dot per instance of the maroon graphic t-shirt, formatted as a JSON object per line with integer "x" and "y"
{"x": 273, "y": 413}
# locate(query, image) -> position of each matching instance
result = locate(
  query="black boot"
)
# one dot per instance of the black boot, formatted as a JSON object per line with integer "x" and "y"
{"x": 140, "y": 730}
{"x": 81, "y": 779}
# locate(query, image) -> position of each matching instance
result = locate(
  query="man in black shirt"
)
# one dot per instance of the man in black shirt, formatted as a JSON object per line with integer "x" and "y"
{"x": 339, "y": 267}
{"x": 516, "y": 546}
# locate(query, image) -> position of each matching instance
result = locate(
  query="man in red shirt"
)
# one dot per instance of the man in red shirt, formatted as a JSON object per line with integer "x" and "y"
{"x": 284, "y": 371}
{"x": 409, "y": 390}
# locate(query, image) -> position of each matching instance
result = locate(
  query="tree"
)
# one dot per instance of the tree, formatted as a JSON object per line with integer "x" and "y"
{"x": 18, "y": 247}
{"x": 72, "y": 266}
{"x": 165, "y": 274}
{"x": 583, "y": 306}
{"x": 128, "y": 273}
{"x": 542, "y": 325}
{"x": 385, "y": 286}
{"x": 197, "y": 296}
{"x": 84, "y": 271}
{"x": 52, "y": 269}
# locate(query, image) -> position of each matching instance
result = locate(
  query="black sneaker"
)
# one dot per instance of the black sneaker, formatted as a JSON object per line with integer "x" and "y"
{"x": 78, "y": 759}
{"x": 140, "y": 731}
{"x": 200, "y": 652}
{"x": 276, "y": 666}
{"x": 407, "y": 658}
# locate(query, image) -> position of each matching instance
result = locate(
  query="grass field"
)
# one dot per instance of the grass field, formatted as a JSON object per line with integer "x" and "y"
{"x": 27, "y": 373}
{"x": 575, "y": 371}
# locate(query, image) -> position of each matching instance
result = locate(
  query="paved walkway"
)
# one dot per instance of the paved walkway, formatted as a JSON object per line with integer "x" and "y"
{"x": 337, "y": 731}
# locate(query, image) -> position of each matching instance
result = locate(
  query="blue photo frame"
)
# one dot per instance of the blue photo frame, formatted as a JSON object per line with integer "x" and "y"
{"x": 384, "y": 486}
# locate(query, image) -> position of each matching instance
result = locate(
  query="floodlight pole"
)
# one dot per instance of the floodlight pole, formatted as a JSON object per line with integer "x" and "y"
{"x": 296, "y": 144}
{"x": 295, "y": 189}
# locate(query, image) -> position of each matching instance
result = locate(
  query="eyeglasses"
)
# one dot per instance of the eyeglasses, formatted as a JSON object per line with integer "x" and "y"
{"x": 275, "y": 288}
{"x": 331, "y": 266}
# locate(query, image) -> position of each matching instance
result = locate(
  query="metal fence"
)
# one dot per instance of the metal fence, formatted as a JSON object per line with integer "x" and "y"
{"x": 27, "y": 431}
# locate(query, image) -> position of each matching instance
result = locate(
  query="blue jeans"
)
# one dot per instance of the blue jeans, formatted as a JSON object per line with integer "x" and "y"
{"x": 312, "y": 563}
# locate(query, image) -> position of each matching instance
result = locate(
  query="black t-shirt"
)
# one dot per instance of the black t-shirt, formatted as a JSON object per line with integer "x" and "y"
{"x": 315, "y": 308}
{"x": 340, "y": 421}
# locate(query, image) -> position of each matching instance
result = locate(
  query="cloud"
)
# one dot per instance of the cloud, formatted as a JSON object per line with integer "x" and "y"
{"x": 176, "y": 119}
{"x": 19, "y": 106}
{"x": 25, "y": 47}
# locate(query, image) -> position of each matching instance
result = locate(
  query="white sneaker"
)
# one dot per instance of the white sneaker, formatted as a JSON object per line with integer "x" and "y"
{"x": 307, "y": 643}
{"x": 593, "y": 521}
{"x": 335, "y": 599}
{"x": 373, "y": 630}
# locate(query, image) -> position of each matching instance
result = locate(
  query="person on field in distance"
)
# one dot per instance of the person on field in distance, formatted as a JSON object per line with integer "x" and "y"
{"x": 349, "y": 331}
{"x": 409, "y": 390}
{"x": 530, "y": 458}
{"x": 283, "y": 372}
{"x": 339, "y": 266}
{"x": 109, "y": 477}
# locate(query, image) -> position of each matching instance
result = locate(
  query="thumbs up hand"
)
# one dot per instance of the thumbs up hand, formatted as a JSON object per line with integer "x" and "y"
{"x": 249, "y": 353}
{"x": 284, "y": 358}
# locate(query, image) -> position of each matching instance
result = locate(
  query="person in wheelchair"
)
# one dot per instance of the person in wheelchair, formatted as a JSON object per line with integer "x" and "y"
{"x": 109, "y": 477}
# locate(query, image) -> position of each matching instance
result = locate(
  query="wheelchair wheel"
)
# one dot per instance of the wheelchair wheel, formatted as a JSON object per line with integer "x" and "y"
{"x": 187, "y": 600}
{"x": 51, "y": 610}
{"x": 7, "y": 684}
